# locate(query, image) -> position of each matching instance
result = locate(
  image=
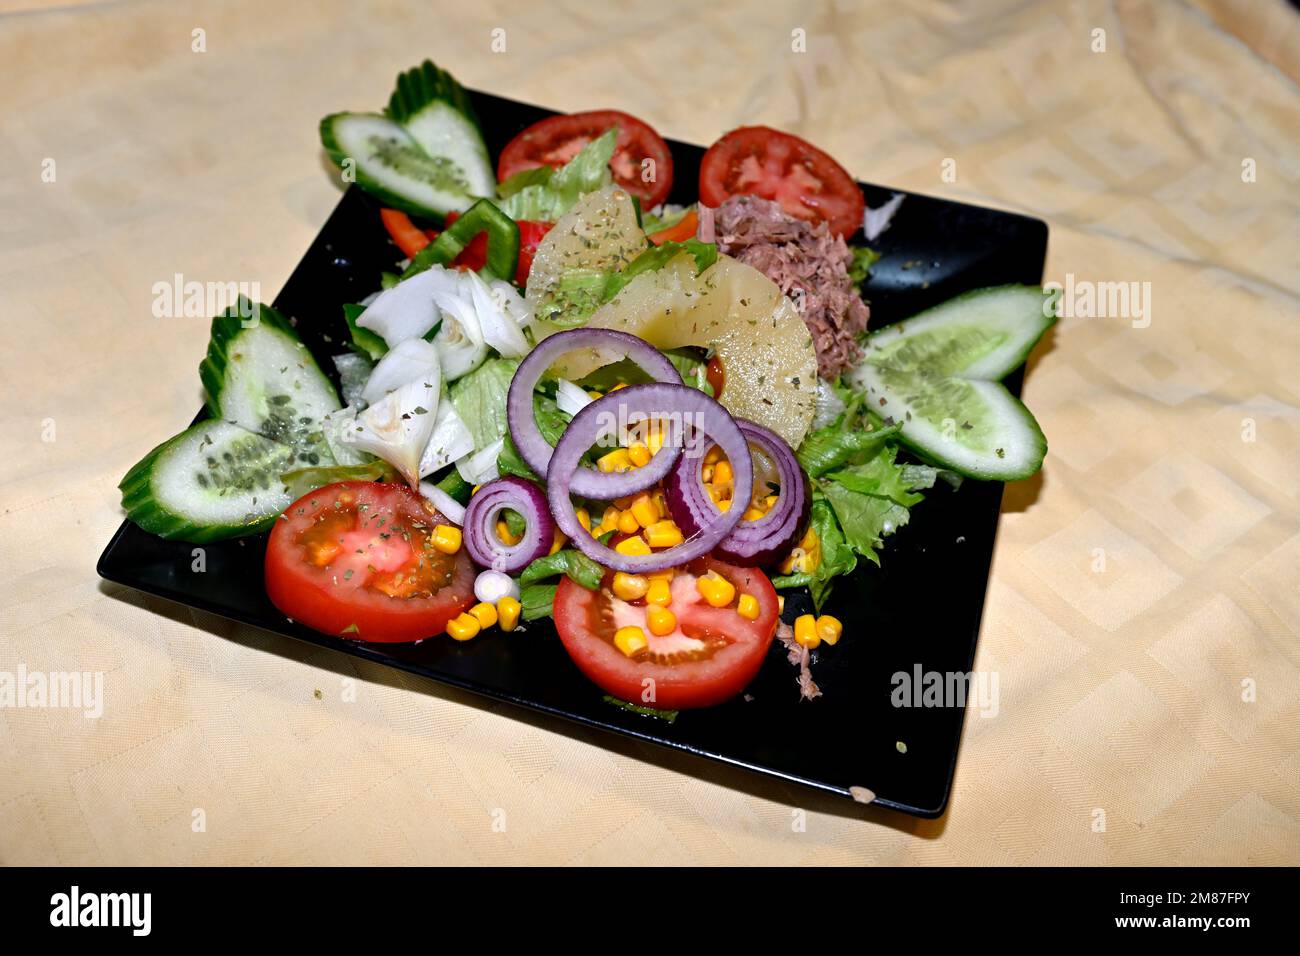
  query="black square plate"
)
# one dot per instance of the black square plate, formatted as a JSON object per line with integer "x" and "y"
{"x": 923, "y": 607}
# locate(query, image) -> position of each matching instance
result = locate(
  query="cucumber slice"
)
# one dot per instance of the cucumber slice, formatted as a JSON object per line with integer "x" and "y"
{"x": 214, "y": 480}
{"x": 936, "y": 376}
{"x": 390, "y": 164}
{"x": 258, "y": 374}
{"x": 974, "y": 427}
{"x": 984, "y": 334}
{"x": 436, "y": 111}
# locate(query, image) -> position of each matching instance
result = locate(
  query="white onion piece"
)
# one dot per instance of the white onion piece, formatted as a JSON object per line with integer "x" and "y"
{"x": 571, "y": 398}
{"x": 407, "y": 310}
{"x": 354, "y": 372}
{"x": 449, "y": 440}
{"x": 481, "y": 467}
{"x": 447, "y": 506}
{"x": 404, "y": 362}
{"x": 876, "y": 221}
{"x": 501, "y": 314}
{"x": 492, "y": 586}
{"x": 829, "y": 405}
{"x": 397, "y": 428}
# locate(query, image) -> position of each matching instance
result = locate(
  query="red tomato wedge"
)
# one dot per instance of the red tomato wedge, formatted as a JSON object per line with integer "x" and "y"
{"x": 410, "y": 238}
{"x": 557, "y": 139}
{"x": 711, "y": 657}
{"x": 808, "y": 184}
{"x": 355, "y": 559}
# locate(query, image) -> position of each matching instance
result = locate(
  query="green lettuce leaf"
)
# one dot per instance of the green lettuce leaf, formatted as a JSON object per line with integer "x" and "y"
{"x": 863, "y": 259}
{"x": 480, "y": 399}
{"x": 536, "y": 601}
{"x": 832, "y": 446}
{"x": 837, "y": 556}
{"x": 550, "y": 198}
{"x": 569, "y": 561}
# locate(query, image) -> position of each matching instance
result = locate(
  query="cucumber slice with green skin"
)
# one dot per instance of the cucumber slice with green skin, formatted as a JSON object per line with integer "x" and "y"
{"x": 936, "y": 376}
{"x": 391, "y": 165}
{"x": 259, "y": 375}
{"x": 984, "y": 334}
{"x": 436, "y": 111}
{"x": 974, "y": 427}
{"x": 214, "y": 480}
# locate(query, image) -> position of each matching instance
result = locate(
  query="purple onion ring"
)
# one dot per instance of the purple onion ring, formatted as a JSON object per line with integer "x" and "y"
{"x": 753, "y": 543}
{"x": 528, "y": 438}
{"x": 659, "y": 400}
{"x": 481, "y": 538}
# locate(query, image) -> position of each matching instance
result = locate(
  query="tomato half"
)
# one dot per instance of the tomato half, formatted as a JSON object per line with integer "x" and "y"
{"x": 355, "y": 559}
{"x": 712, "y": 655}
{"x": 557, "y": 139}
{"x": 808, "y": 184}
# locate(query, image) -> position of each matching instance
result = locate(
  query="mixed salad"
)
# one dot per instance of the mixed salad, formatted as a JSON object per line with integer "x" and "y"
{"x": 579, "y": 402}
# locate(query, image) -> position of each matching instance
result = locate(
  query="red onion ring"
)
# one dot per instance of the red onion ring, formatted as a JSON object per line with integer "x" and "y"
{"x": 753, "y": 543}
{"x": 659, "y": 400}
{"x": 528, "y": 438}
{"x": 481, "y": 538}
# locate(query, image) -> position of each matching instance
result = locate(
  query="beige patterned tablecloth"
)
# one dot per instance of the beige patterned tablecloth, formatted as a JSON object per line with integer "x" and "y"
{"x": 1144, "y": 610}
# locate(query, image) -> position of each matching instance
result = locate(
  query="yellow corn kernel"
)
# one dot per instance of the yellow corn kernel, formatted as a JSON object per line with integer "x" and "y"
{"x": 632, "y": 546}
{"x": 667, "y": 574}
{"x": 484, "y": 613}
{"x": 753, "y": 514}
{"x": 618, "y": 386}
{"x": 473, "y": 491}
{"x": 644, "y": 511}
{"x": 724, "y": 504}
{"x": 630, "y": 587}
{"x": 805, "y": 631}
{"x": 661, "y": 504}
{"x": 508, "y": 609}
{"x": 584, "y": 519}
{"x": 639, "y": 454}
{"x": 747, "y": 606}
{"x": 616, "y": 460}
{"x": 659, "y": 593}
{"x": 810, "y": 539}
{"x": 655, "y": 439}
{"x": 769, "y": 502}
{"x": 627, "y": 522}
{"x": 463, "y": 626}
{"x": 780, "y": 603}
{"x": 660, "y": 620}
{"x": 712, "y": 455}
{"x": 722, "y": 473}
{"x": 609, "y": 520}
{"x": 706, "y": 474}
{"x": 447, "y": 538}
{"x": 594, "y": 394}
{"x": 503, "y": 532}
{"x": 715, "y": 589}
{"x": 558, "y": 541}
{"x": 829, "y": 629}
{"x": 664, "y": 534}
{"x": 630, "y": 640}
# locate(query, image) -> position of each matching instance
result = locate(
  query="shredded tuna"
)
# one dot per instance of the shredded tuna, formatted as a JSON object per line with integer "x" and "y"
{"x": 808, "y": 263}
{"x": 797, "y": 654}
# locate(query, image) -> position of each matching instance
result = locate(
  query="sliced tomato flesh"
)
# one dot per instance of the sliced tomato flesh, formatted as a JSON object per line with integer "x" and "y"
{"x": 710, "y": 656}
{"x": 806, "y": 182}
{"x": 357, "y": 560}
